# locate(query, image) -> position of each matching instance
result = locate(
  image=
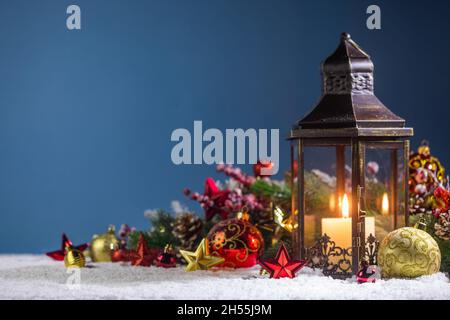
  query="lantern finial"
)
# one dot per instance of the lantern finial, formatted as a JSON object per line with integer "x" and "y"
{"x": 345, "y": 36}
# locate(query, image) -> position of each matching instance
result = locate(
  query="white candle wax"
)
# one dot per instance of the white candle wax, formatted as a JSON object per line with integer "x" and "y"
{"x": 339, "y": 230}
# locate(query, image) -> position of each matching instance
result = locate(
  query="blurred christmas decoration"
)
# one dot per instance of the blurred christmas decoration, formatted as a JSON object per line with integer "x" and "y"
{"x": 430, "y": 198}
{"x": 182, "y": 230}
{"x": 366, "y": 273}
{"x": 103, "y": 245}
{"x": 263, "y": 272}
{"x": 121, "y": 255}
{"x": 423, "y": 159}
{"x": 408, "y": 253}
{"x": 142, "y": 256}
{"x": 442, "y": 226}
{"x": 187, "y": 228}
{"x": 285, "y": 222}
{"x": 426, "y": 173}
{"x": 262, "y": 168}
{"x": 237, "y": 241}
{"x": 74, "y": 258}
{"x": 258, "y": 196}
{"x": 243, "y": 215}
{"x": 124, "y": 233}
{"x": 201, "y": 258}
{"x": 236, "y": 174}
{"x": 167, "y": 258}
{"x": 65, "y": 243}
{"x": 282, "y": 266}
{"x": 160, "y": 232}
{"x": 441, "y": 213}
{"x": 442, "y": 200}
{"x": 223, "y": 202}
{"x": 271, "y": 191}
{"x": 372, "y": 169}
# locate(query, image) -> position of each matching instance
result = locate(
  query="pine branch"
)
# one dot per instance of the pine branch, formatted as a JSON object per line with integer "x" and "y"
{"x": 271, "y": 190}
{"x": 160, "y": 232}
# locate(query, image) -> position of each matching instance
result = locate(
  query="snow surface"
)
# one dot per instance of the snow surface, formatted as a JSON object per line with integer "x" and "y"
{"x": 38, "y": 277}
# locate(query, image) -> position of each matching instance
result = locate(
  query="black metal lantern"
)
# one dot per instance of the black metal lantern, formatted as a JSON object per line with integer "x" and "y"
{"x": 351, "y": 153}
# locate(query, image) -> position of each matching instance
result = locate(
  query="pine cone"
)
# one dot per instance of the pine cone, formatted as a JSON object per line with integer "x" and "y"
{"x": 417, "y": 205}
{"x": 187, "y": 228}
{"x": 442, "y": 227}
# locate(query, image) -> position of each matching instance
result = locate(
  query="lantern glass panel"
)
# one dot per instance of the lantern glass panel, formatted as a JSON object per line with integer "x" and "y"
{"x": 384, "y": 190}
{"x": 327, "y": 194}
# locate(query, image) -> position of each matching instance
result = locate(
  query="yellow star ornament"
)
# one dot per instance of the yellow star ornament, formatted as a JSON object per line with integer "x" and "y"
{"x": 200, "y": 259}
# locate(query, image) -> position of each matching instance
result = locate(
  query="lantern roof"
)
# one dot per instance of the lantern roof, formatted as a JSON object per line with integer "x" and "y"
{"x": 348, "y": 106}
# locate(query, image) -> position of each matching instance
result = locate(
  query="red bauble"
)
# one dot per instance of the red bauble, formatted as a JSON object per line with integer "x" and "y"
{"x": 238, "y": 241}
{"x": 166, "y": 259}
{"x": 366, "y": 276}
{"x": 121, "y": 255}
{"x": 262, "y": 164}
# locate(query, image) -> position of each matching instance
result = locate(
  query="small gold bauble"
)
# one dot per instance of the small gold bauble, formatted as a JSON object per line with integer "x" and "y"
{"x": 102, "y": 246}
{"x": 408, "y": 253}
{"x": 74, "y": 258}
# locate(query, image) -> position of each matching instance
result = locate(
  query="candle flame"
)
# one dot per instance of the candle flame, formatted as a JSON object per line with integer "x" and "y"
{"x": 345, "y": 206}
{"x": 385, "y": 204}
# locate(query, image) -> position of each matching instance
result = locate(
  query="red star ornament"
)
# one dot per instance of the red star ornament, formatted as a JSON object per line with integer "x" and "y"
{"x": 218, "y": 197}
{"x": 142, "y": 256}
{"x": 282, "y": 266}
{"x": 60, "y": 254}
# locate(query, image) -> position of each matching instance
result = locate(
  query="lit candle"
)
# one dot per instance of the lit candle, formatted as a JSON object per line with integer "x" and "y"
{"x": 385, "y": 205}
{"x": 339, "y": 229}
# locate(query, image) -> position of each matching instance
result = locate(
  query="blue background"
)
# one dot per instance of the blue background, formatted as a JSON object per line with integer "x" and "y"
{"x": 86, "y": 116}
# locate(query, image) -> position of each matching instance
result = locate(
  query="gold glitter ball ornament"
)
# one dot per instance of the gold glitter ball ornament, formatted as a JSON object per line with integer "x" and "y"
{"x": 408, "y": 253}
{"x": 102, "y": 246}
{"x": 74, "y": 258}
